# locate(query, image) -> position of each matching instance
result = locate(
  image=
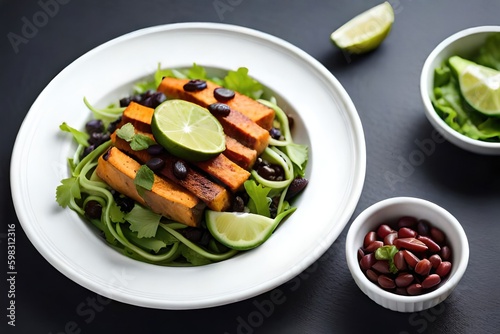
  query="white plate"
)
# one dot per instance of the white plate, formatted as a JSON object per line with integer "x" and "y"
{"x": 327, "y": 122}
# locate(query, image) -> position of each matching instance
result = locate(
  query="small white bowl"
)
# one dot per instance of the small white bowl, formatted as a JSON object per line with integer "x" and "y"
{"x": 390, "y": 210}
{"x": 464, "y": 44}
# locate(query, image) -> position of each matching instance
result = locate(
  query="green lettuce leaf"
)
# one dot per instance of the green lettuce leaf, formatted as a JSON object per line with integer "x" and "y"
{"x": 489, "y": 53}
{"x": 259, "y": 200}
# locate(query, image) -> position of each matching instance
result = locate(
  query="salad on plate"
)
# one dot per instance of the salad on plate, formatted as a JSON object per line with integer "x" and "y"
{"x": 187, "y": 170}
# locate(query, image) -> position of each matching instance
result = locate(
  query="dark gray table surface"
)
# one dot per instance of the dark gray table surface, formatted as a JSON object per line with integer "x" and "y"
{"x": 384, "y": 86}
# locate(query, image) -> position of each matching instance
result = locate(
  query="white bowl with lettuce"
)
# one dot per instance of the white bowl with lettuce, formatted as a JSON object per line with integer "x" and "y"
{"x": 460, "y": 87}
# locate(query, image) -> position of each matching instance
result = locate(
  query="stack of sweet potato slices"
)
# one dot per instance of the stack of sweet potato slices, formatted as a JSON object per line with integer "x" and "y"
{"x": 211, "y": 183}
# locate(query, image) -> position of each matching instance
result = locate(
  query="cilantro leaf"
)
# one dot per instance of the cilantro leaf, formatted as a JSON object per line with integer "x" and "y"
{"x": 241, "y": 82}
{"x": 387, "y": 253}
{"x": 80, "y": 137}
{"x": 258, "y": 202}
{"x": 144, "y": 178}
{"x": 197, "y": 72}
{"x": 143, "y": 221}
{"x": 67, "y": 190}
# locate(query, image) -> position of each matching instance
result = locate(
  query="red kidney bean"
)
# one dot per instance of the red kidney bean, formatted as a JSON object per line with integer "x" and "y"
{"x": 421, "y": 260}
{"x": 437, "y": 235}
{"x": 369, "y": 238}
{"x": 444, "y": 268}
{"x": 389, "y": 239}
{"x": 374, "y": 246}
{"x": 445, "y": 253}
{"x": 399, "y": 261}
{"x": 410, "y": 258}
{"x": 435, "y": 260}
{"x": 386, "y": 282}
{"x": 407, "y": 222}
{"x": 433, "y": 246}
{"x": 381, "y": 266}
{"x": 423, "y": 267}
{"x": 403, "y": 280}
{"x": 360, "y": 254}
{"x": 384, "y": 230}
{"x": 372, "y": 275}
{"x": 405, "y": 232}
{"x": 367, "y": 261}
{"x": 423, "y": 227}
{"x": 411, "y": 244}
{"x": 414, "y": 289}
{"x": 431, "y": 281}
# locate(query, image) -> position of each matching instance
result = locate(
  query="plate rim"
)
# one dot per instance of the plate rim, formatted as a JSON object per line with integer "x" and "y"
{"x": 356, "y": 188}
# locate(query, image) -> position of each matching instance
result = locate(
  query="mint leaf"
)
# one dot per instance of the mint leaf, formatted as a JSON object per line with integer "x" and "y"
{"x": 143, "y": 221}
{"x": 141, "y": 142}
{"x": 80, "y": 137}
{"x": 258, "y": 202}
{"x": 126, "y": 132}
{"x": 67, "y": 190}
{"x": 387, "y": 253}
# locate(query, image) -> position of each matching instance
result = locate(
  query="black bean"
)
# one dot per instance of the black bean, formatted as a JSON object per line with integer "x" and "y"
{"x": 125, "y": 203}
{"x": 219, "y": 109}
{"x": 180, "y": 169}
{"x": 266, "y": 172}
{"x": 95, "y": 125}
{"x": 112, "y": 125}
{"x": 93, "y": 209}
{"x": 155, "y": 149}
{"x": 97, "y": 138}
{"x": 296, "y": 186}
{"x": 223, "y": 94}
{"x": 195, "y": 85}
{"x": 88, "y": 149}
{"x": 238, "y": 204}
{"x": 154, "y": 100}
{"x": 155, "y": 163}
{"x": 275, "y": 133}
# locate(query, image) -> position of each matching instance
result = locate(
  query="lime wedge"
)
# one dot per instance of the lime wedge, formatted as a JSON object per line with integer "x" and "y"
{"x": 187, "y": 130}
{"x": 479, "y": 85}
{"x": 241, "y": 231}
{"x": 366, "y": 31}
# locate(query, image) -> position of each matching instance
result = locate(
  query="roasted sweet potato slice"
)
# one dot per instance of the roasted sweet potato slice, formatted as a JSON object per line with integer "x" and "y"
{"x": 118, "y": 170}
{"x": 214, "y": 195}
{"x": 236, "y": 124}
{"x": 220, "y": 168}
{"x": 140, "y": 116}
{"x": 240, "y": 154}
{"x": 257, "y": 112}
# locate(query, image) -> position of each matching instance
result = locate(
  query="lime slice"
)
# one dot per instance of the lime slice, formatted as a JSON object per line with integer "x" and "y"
{"x": 241, "y": 231}
{"x": 479, "y": 85}
{"x": 366, "y": 31}
{"x": 187, "y": 130}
